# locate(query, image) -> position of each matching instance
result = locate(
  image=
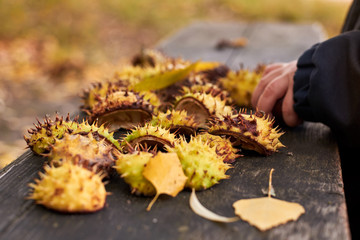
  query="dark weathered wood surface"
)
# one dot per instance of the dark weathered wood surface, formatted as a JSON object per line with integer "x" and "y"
{"x": 307, "y": 171}
{"x": 267, "y": 42}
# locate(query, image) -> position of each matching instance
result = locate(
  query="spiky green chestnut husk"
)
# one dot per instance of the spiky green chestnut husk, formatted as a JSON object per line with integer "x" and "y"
{"x": 133, "y": 74}
{"x": 45, "y": 134}
{"x": 241, "y": 84}
{"x": 149, "y": 58}
{"x": 201, "y": 163}
{"x": 99, "y": 91}
{"x": 178, "y": 122}
{"x": 86, "y": 151}
{"x": 202, "y": 106}
{"x": 122, "y": 109}
{"x": 69, "y": 188}
{"x": 209, "y": 88}
{"x": 130, "y": 167}
{"x": 223, "y": 146}
{"x": 149, "y": 136}
{"x": 252, "y": 131}
{"x": 213, "y": 75}
{"x": 152, "y": 98}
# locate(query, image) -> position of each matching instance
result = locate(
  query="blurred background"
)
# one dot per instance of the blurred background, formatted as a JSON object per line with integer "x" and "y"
{"x": 51, "y": 50}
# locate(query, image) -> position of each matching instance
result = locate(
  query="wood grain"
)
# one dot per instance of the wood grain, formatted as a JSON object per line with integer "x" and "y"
{"x": 267, "y": 42}
{"x": 307, "y": 171}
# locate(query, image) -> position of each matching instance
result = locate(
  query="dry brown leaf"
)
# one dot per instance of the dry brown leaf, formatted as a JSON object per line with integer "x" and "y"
{"x": 232, "y": 43}
{"x": 165, "y": 172}
{"x": 266, "y": 212}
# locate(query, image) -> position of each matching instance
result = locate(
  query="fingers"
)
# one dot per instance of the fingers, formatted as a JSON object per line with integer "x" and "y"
{"x": 276, "y": 87}
{"x": 290, "y": 117}
{"x": 270, "y": 72}
{"x": 265, "y": 80}
{"x": 272, "y": 67}
{"x": 273, "y": 91}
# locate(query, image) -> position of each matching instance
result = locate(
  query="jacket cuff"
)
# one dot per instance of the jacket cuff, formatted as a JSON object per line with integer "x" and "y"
{"x": 305, "y": 68}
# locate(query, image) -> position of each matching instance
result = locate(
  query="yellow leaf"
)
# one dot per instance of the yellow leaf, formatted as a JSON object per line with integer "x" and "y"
{"x": 165, "y": 79}
{"x": 203, "y": 66}
{"x": 165, "y": 172}
{"x": 266, "y": 212}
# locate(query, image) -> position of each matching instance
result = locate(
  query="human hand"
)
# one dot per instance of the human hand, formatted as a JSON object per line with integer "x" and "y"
{"x": 276, "y": 86}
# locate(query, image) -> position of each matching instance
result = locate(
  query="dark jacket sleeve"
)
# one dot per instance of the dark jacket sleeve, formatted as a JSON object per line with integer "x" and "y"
{"x": 352, "y": 21}
{"x": 327, "y": 86}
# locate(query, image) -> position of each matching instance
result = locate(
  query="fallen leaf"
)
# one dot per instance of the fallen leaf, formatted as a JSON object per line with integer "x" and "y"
{"x": 200, "y": 210}
{"x": 165, "y": 172}
{"x": 165, "y": 79}
{"x": 235, "y": 43}
{"x": 203, "y": 66}
{"x": 266, "y": 212}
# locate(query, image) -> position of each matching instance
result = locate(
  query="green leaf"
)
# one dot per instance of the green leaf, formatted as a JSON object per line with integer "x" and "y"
{"x": 164, "y": 80}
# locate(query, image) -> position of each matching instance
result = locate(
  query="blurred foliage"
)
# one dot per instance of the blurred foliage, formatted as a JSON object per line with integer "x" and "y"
{"x": 32, "y": 58}
{"x": 84, "y": 23}
{"x": 331, "y": 14}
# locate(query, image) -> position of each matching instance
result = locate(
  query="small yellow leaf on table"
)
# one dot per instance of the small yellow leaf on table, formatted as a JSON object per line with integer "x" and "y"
{"x": 266, "y": 212}
{"x": 165, "y": 172}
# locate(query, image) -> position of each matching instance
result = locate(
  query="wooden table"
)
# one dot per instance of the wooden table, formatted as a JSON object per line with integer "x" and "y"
{"x": 307, "y": 171}
{"x": 267, "y": 42}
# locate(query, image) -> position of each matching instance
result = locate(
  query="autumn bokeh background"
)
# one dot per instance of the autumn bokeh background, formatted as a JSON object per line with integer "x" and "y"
{"x": 50, "y": 50}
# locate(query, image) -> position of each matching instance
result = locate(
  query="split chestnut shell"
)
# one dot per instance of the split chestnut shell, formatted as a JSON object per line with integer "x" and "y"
{"x": 148, "y": 136}
{"x": 178, "y": 122}
{"x": 122, "y": 109}
{"x": 202, "y": 105}
{"x": 249, "y": 131}
{"x": 45, "y": 134}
